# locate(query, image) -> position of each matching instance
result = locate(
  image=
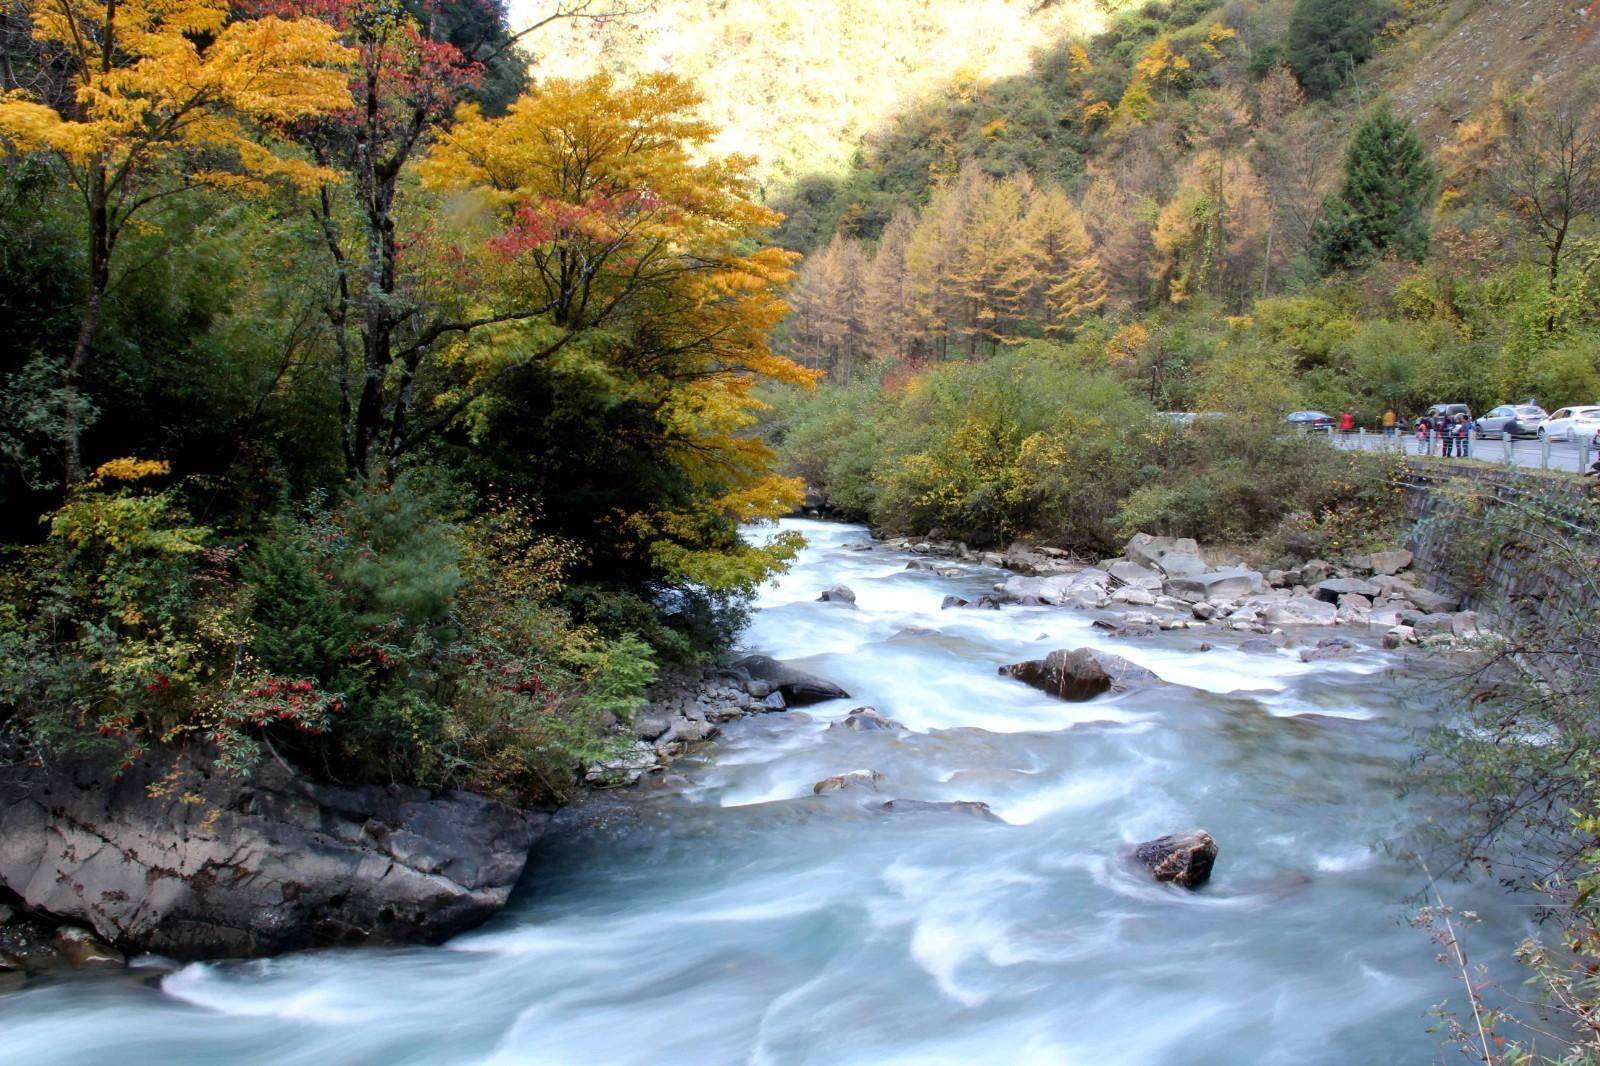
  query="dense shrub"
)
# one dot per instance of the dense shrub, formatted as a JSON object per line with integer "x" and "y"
{"x": 370, "y": 637}
{"x": 1035, "y": 442}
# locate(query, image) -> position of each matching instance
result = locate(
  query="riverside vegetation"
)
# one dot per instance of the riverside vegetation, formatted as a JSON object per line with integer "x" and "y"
{"x": 366, "y": 407}
{"x": 379, "y": 417}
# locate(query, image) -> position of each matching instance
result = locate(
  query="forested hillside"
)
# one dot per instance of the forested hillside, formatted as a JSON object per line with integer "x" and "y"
{"x": 1244, "y": 207}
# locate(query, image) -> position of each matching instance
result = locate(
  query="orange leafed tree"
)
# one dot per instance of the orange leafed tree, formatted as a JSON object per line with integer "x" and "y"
{"x": 160, "y": 97}
{"x": 607, "y": 211}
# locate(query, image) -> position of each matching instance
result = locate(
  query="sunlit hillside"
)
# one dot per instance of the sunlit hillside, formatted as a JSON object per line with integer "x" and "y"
{"x": 797, "y": 82}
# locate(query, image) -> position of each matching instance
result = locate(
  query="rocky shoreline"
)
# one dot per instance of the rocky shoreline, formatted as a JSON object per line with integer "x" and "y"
{"x": 181, "y": 861}
{"x": 201, "y": 865}
{"x": 1164, "y": 583}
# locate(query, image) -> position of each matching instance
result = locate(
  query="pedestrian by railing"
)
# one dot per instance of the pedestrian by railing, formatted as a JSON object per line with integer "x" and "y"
{"x": 1573, "y": 457}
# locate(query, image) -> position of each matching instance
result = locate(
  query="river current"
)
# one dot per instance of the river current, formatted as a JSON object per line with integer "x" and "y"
{"x": 731, "y": 916}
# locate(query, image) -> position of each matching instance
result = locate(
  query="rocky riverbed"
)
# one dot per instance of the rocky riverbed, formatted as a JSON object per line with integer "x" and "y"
{"x": 947, "y": 865}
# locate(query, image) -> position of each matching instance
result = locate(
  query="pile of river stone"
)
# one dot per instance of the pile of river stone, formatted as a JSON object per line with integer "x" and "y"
{"x": 30, "y": 946}
{"x": 687, "y": 705}
{"x": 1168, "y": 583}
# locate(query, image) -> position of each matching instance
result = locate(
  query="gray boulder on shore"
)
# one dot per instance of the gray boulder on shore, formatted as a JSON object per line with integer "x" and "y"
{"x": 1229, "y": 583}
{"x": 205, "y": 865}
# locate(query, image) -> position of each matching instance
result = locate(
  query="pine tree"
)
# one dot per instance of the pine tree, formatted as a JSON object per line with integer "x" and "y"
{"x": 1328, "y": 39}
{"x": 885, "y": 311}
{"x": 1380, "y": 205}
{"x": 1071, "y": 284}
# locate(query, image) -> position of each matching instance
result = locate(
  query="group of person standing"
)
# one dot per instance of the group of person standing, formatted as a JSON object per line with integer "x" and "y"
{"x": 1454, "y": 433}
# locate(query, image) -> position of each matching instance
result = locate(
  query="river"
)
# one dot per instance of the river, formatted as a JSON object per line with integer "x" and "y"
{"x": 734, "y": 917}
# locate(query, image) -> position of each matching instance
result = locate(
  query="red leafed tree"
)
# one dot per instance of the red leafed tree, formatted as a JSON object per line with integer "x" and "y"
{"x": 397, "y": 289}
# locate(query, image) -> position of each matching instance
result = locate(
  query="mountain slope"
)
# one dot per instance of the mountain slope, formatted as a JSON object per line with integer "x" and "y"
{"x": 798, "y": 83}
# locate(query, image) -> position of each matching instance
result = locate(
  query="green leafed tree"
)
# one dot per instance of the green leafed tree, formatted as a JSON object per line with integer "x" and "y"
{"x": 1328, "y": 39}
{"x": 1380, "y": 206}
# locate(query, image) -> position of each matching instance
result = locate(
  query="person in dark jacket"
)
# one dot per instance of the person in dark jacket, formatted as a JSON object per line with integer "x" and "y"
{"x": 1446, "y": 433}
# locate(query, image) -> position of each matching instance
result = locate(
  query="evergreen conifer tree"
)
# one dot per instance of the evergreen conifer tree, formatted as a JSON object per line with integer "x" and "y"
{"x": 1380, "y": 204}
{"x": 1328, "y": 39}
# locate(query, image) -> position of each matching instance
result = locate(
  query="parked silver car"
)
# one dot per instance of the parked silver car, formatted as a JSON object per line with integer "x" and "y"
{"x": 1512, "y": 419}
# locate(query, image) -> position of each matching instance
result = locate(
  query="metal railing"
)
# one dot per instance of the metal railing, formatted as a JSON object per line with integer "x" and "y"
{"x": 1542, "y": 454}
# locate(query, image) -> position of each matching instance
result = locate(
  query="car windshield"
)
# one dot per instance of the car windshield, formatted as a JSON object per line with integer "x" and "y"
{"x": 1539, "y": 411}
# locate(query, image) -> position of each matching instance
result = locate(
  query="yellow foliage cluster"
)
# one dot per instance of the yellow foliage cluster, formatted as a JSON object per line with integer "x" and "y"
{"x": 129, "y": 469}
{"x": 152, "y": 77}
{"x": 608, "y": 198}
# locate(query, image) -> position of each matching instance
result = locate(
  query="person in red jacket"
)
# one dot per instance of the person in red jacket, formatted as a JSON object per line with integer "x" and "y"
{"x": 1347, "y": 422}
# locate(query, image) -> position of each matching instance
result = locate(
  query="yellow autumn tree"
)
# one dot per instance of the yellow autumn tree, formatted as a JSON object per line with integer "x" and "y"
{"x": 1072, "y": 285}
{"x": 163, "y": 96}
{"x": 611, "y": 216}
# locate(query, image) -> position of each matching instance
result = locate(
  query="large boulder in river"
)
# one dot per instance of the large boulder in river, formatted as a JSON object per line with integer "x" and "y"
{"x": 180, "y": 858}
{"x": 855, "y": 779}
{"x": 1181, "y": 858}
{"x": 839, "y": 594}
{"x": 1081, "y": 674}
{"x": 799, "y": 687}
{"x": 866, "y": 720}
{"x": 1070, "y": 675}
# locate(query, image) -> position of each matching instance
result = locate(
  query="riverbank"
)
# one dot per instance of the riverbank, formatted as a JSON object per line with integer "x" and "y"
{"x": 728, "y": 890}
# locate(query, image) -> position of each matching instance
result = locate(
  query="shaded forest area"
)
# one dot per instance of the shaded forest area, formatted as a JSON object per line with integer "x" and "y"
{"x": 365, "y": 405}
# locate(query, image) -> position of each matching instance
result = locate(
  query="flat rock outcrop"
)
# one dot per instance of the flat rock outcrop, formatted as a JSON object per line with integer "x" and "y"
{"x": 200, "y": 864}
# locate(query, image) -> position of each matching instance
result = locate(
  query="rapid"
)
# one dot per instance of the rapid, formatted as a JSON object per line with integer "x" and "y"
{"x": 728, "y": 915}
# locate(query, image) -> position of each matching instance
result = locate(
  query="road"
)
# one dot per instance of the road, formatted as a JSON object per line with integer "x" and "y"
{"x": 1529, "y": 454}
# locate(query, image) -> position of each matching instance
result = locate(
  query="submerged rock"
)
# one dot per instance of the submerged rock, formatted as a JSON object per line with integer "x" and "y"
{"x": 81, "y": 949}
{"x": 799, "y": 687}
{"x": 866, "y": 720}
{"x": 953, "y": 601}
{"x": 1182, "y": 858}
{"x": 855, "y": 779}
{"x": 204, "y": 864}
{"x": 1329, "y": 648}
{"x": 970, "y": 808}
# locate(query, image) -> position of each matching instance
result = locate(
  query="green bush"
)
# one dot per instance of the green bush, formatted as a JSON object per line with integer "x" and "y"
{"x": 373, "y": 638}
{"x": 1035, "y": 442}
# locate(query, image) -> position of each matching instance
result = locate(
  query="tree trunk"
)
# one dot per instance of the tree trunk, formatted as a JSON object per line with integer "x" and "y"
{"x": 88, "y": 322}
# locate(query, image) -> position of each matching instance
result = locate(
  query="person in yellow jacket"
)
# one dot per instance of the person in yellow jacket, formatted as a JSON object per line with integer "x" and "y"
{"x": 1389, "y": 421}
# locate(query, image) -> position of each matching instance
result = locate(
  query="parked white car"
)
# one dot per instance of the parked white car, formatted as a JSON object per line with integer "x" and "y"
{"x": 1570, "y": 424}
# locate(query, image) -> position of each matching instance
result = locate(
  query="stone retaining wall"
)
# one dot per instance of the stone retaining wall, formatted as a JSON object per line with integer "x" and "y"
{"x": 1517, "y": 585}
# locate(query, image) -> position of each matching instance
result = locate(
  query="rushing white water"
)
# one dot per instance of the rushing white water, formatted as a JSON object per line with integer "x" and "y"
{"x": 738, "y": 918}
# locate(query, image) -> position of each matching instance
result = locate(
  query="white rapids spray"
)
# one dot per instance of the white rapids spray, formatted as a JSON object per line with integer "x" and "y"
{"x": 738, "y": 918}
